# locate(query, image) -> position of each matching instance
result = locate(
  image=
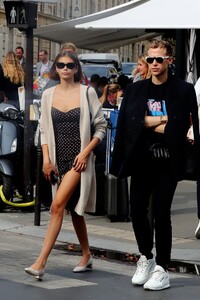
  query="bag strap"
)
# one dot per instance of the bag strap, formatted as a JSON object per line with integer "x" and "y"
{"x": 87, "y": 96}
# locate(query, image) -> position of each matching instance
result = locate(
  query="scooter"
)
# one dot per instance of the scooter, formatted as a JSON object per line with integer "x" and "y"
{"x": 11, "y": 157}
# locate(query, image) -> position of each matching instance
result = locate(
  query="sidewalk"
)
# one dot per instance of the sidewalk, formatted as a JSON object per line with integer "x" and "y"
{"x": 119, "y": 236}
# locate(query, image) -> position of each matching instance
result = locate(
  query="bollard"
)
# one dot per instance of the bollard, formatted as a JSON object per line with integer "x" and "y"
{"x": 38, "y": 187}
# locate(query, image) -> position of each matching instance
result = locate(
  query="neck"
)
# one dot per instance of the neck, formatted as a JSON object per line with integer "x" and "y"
{"x": 159, "y": 79}
{"x": 67, "y": 84}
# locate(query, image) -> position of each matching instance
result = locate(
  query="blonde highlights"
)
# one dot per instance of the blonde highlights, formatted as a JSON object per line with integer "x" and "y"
{"x": 143, "y": 60}
{"x": 12, "y": 68}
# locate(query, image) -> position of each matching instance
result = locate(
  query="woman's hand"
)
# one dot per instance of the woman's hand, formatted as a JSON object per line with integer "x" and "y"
{"x": 80, "y": 162}
{"x": 48, "y": 168}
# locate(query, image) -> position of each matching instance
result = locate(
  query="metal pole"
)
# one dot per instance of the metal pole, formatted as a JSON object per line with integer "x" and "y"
{"x": 28, "y": 126}
{"x": 38, "y": 187}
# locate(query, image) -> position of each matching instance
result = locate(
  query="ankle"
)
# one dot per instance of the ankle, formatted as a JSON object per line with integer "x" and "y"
{"x": 38, "y": 265}
{"x": 86, "y": 255}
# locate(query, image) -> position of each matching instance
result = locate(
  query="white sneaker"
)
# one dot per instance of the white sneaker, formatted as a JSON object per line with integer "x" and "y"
{"x": 158, "y": 281}
{"x": 197, "y": 231}
{"x": 143, "y": 271}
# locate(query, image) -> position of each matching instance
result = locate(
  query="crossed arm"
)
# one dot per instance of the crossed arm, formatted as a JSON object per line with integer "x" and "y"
{"x": 157, "y": 123}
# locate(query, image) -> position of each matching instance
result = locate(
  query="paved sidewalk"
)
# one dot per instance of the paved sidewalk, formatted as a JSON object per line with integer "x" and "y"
{"x": 118, "y": 236}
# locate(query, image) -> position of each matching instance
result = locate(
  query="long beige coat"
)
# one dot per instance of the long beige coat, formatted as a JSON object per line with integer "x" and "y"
{"x": 91, "y": 114}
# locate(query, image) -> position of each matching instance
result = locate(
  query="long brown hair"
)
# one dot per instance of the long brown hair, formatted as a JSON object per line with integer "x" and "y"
{"x": 12, "y": 68}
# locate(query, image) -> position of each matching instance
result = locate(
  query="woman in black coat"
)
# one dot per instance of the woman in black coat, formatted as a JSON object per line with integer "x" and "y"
{"x": 11, "y": 78}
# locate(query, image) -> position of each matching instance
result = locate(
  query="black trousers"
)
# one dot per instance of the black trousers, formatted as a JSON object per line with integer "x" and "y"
{"x": 153, "y": 180}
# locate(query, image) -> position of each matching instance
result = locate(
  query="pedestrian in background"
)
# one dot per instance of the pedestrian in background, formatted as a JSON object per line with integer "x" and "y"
{"x": 94, "y": 80}
{"x": 20, "y": 55}
{"x": 67, "y": 145}
{"x": 123, "y": 81}
{"x": 149, "y": 146}
{"x": 68, "y": 46}
{"x": 11, "y": 78}
{"x": 111, "y": 93}
{"x": 142, "y": 70}
{"x": 103, "y": 81}
{"x": 44, "y": 65}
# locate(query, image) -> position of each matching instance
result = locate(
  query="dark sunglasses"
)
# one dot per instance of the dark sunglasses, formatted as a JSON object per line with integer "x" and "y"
{"x": 158, "y": 59}
{"x": 61, "y": 65}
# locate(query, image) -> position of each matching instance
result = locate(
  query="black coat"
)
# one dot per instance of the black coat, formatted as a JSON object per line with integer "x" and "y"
{"x": 181, "y": 105}
{"x": 9, "y": 88}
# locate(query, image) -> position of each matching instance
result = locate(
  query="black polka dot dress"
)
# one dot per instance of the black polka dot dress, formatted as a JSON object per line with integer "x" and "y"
{"x": 68, "y": 143}
{"x": 67, "y": 137}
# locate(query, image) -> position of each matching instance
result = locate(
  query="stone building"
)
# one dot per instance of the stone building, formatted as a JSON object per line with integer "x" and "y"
{"x": 58, "y": 11}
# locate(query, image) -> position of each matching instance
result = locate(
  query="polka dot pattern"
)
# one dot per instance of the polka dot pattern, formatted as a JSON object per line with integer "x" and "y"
{"x": 67, "y": 137}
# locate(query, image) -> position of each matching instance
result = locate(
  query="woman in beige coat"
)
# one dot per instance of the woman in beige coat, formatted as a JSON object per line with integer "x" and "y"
{"x": 65, "y": 124}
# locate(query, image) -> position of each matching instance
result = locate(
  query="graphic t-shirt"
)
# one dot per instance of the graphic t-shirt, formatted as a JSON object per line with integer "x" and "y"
{"x": 156, "y": 106}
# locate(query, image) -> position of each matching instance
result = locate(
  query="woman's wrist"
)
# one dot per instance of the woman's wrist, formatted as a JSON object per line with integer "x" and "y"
{"x": 46, "y": 161}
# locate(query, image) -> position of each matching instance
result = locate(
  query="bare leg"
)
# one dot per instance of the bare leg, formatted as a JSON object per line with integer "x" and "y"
{"x": 81, "y": 232}
{"x": 65, "y": 190}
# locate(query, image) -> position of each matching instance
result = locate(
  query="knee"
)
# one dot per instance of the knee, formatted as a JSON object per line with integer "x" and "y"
{"x": 56, "y": 208}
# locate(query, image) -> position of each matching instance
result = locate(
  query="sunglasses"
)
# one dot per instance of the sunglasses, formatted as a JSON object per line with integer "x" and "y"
{"x": 158, "y": 59}
{"x": 61, "y": 65}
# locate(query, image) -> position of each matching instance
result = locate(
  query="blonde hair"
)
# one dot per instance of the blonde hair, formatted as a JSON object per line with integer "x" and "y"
{"x": 12, "y": 68}
{"x": 67, "y": 46}
{"x": 168, "y": 45}
{"x": 135, "y": 70}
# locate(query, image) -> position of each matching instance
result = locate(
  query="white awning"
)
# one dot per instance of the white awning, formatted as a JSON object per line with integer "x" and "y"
{"x": 152, "y": 14}
{"x": 96, "y": 40}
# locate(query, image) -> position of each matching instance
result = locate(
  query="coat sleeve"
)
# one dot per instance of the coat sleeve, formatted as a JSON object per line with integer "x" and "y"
{"x": 43, "y": 121}
{"x": 97, "y": 117}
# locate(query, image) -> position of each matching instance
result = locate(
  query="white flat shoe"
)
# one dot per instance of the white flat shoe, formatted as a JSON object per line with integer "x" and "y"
{"x": 87, "y": 267}
{"x": 38, "y": 274}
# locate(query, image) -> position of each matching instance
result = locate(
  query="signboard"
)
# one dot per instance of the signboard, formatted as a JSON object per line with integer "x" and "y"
{"x": 20, "y": 14}
{"x": 76, "y": 9}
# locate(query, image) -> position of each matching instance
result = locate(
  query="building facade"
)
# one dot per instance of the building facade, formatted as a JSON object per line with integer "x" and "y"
{"x": 59, "y": 11}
